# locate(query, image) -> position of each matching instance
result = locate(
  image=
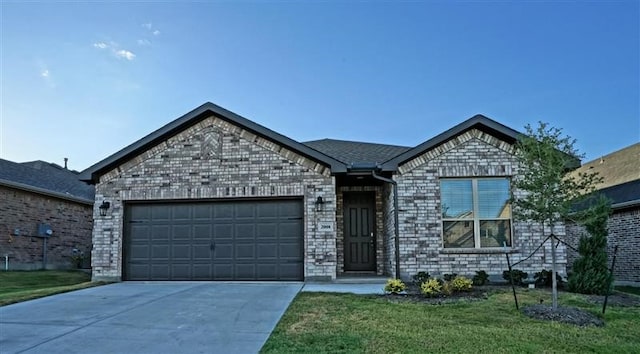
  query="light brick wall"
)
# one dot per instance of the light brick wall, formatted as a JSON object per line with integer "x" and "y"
{"x": 69, "y": 221}
{"x": 624, "y": 231}
{"x": 472, "y": 154}
{"x": 214, "y": 159}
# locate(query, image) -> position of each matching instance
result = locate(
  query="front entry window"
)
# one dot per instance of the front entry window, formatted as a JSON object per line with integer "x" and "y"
{"x": 476, "y": 212}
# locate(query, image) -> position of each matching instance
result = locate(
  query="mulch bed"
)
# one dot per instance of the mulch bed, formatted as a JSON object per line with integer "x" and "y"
{"x": 570, "y": 315}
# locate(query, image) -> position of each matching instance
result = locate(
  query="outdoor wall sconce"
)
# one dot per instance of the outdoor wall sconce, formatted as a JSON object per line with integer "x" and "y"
{"x": 319, "y": 204}
{"x": 104, "y": 207}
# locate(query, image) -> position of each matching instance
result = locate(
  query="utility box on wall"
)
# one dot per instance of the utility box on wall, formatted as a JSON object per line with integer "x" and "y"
{"x": 44, "y": 230}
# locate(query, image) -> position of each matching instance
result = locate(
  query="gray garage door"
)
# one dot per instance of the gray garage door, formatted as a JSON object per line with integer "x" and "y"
{"x": 234, "y": 240}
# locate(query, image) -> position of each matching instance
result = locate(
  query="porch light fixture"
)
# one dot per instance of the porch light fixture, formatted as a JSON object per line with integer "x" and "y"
{"x": 319, "y": 204}
{"x": 104, "y": 207}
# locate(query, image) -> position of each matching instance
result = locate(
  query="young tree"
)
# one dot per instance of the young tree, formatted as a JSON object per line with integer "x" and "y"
{"x": 544, "y": 156}
{"x": 590, "y": 273}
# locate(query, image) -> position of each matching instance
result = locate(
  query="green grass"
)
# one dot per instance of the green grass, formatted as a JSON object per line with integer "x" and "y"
{"x": 629, "y": 289}
{"x": 344, "y": 323}
{"x": 17, "y": 286}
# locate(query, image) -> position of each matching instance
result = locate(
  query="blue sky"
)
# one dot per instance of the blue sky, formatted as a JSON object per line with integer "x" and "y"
{"x": 83, "y": 80}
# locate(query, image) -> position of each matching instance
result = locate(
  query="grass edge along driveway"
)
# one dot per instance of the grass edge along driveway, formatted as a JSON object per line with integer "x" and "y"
{"x": 341, "y": 323}
{"x": 18, "y": 286}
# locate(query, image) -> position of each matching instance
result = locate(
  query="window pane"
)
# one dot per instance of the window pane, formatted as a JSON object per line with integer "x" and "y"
{"x": 456, "y": 199}
{"x": 458, "y": 234}
{"x": 494, "y": 232}
{"x": 493, "y": 198}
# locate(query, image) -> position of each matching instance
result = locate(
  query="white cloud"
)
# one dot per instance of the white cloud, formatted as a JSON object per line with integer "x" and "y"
{"x": 144, "y": 42}
{"x": 125, "y": 54}
{"x": 100, "y": 45}
{"x": 156, "y": 32}
{"x": 147, "y": 25}
{"x": 45, "y": 73}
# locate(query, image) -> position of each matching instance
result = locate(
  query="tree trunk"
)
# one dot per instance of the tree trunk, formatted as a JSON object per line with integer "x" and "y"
{"x": 554, "y": 284}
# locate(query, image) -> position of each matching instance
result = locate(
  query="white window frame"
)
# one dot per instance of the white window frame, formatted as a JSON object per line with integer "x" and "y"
{"x": 476, "y": 214}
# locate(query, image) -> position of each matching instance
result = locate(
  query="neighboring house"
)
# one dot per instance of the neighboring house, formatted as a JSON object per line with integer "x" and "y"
{"x": 39, "y": 196}
{"x": 620, "y": 171}
{"x": 213, "y": 195}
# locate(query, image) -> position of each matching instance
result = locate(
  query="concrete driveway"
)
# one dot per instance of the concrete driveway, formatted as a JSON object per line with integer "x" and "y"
{"x": 157, "y": 317}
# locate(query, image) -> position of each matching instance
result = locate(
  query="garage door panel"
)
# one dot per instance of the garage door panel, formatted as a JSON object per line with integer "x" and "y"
{"x": 223, "y": 252}
{"x": 202, "y": 232}
{"x": 201, "y": 252}
{"x": 181, "y": 212}
{"x": 267, "y": 251}
{"x": 202, "y": 212}
{"x": 160, "y": 213}
{"x": 245, "y": 211}
{"x": 160, "y": 232}
{"x": 181, "y": 232}
{"x": 245, "y": 252}
{"x": 223, "y": 211}
{"x": 223, "y": 272}
{"x": 181, "y": 252}
{"x": 224, "y": 231}
{"x": 236, "y": 240}
{"x": 160, "y": 252}
{"x": 180, "y": 271}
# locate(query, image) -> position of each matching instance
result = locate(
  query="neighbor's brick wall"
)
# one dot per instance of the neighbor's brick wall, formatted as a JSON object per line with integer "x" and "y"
{"x": 216, "y": 159}
{"x": 71, "y": 223}
{"x": 624, "y": 231}
{"x": 472, "y": 154}
{"x": 388, "y": 239}
{"x": 379, "y": 225}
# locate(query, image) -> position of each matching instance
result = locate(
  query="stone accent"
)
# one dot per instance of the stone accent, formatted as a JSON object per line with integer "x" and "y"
{"x": 214, "y": 159}
{"x": 379, "y": 225}
{"x": 624, "y": 231}
{"x": 471, "y": 154}
{"x": 71, "y": 223}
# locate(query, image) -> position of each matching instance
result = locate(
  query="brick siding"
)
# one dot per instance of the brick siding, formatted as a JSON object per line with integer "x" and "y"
{"x": 214, "y": 159}
{"x": 71, "y": 223}
{"x": 471, "y": 154}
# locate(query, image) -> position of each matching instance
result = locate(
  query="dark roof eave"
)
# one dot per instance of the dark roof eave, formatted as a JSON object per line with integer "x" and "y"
{"x": 47, "y": 192}
{"x": 496, "y": 128}
{"x": 92, "y": 173}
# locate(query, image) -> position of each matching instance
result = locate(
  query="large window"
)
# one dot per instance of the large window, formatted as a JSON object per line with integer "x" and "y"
{"x": 476, "y": 212}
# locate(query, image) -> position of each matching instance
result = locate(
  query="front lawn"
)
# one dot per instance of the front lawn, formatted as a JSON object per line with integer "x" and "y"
{"x": 16, "y": 286}
{"x": 333, "y": 323}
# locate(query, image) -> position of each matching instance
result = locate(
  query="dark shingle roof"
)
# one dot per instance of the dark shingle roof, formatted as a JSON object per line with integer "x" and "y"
{"x": 623, "y": 195}
{"x": 351, "y": 152}
{"x": 47, "y": 178}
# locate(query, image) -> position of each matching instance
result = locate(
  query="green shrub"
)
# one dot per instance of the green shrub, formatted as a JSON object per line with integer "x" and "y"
{"x": 461, "y": 283}
{"x": 449, "y": 277}
{"x": 543, "y": 279}
{"x": 518, "y": 276}
{"x": 394, "y": 286}
{"x": 481, "y": 278}
{"x": 420, "y": 278}
{"x": 590, "y": 273}
{"x": 431, "y": 288}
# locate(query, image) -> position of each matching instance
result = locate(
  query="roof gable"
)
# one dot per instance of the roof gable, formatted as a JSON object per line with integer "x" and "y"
{"x": 478, "y": 121}
{"x": 208, "y": 109}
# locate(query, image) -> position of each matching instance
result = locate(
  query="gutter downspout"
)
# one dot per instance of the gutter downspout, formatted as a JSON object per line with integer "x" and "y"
{"x": 395, "y": 218}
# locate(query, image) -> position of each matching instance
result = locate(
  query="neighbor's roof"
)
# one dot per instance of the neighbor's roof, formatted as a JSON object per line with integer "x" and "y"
{"x": 354, "y": 152}
{"x": 45, "y": 178}
{"x": 616, "y": 168}
{"x": 623, "y": 195}
{"x": 204, "y": 111}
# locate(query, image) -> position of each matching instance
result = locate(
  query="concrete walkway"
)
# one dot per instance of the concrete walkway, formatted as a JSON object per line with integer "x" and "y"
{"x": 157, "y": 317}
{"x": 371, "y": 288}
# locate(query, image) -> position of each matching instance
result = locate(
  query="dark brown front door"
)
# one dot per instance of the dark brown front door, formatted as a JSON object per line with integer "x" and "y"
{"x": 359, "y": 236}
